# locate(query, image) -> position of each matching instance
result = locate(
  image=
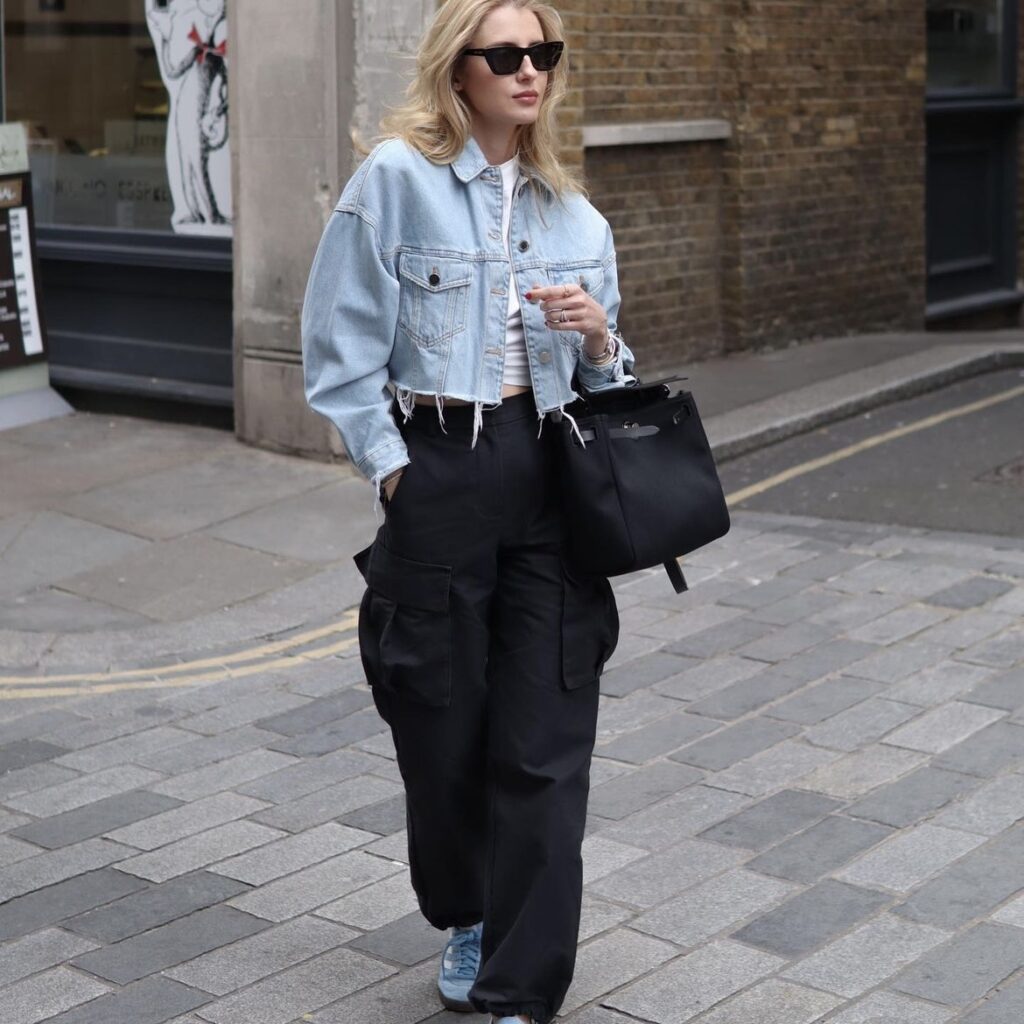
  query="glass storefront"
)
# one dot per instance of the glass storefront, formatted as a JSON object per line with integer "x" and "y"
{"x": 126, "y": 107}
{"x": 966, "y": 45}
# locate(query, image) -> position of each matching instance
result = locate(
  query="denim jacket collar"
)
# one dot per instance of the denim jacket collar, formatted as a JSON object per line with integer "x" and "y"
{"x": 471, "y": 162}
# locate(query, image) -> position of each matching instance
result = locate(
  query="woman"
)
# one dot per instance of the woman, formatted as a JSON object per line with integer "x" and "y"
{"x": 464, "y": 267}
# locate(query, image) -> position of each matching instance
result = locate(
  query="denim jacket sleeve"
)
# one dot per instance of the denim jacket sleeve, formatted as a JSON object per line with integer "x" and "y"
{"x": 348, "y": 322}
{"x": 617, "y": 371}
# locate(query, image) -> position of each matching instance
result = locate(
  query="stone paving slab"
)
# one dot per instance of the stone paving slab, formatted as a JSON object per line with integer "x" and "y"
{"x": 806, "y": 806}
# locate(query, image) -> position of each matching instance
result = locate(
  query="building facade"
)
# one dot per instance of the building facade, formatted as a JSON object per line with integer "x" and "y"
{"x": 773, "y": 171}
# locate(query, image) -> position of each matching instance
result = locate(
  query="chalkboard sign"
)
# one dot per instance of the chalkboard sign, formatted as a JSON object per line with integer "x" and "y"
{"x": 22, "y": 338}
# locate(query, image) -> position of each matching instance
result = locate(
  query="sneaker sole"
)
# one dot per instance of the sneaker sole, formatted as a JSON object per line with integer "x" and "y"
{"x": 459, "y": 1005}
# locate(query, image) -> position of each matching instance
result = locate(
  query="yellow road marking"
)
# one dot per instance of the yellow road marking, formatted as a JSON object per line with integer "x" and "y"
{"x": 348, "y": 621}
{"x": 152, "y": 682}
{"x": 870, "y": 442}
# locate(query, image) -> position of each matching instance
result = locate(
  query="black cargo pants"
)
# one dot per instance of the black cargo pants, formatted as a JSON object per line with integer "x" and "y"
{"x": 483, "y": 653}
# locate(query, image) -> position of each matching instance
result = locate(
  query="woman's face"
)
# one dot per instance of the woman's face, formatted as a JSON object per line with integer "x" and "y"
{"x": 491, "y": 97}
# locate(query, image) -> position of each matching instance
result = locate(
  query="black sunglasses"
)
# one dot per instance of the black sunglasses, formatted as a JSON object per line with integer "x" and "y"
{"x": 506, "y": 60}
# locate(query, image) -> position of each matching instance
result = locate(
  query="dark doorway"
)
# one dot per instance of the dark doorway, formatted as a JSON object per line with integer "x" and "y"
{"x": 972, "y": 112}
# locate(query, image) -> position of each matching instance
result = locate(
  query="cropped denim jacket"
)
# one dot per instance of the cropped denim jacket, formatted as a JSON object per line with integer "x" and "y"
{"x": 408, "y": 287}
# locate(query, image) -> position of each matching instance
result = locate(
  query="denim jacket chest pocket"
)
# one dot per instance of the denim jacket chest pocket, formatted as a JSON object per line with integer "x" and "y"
{"x": 433, "y": 296}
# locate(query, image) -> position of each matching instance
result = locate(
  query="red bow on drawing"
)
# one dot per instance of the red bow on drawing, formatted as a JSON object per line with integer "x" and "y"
{"x": 207, "y": 47}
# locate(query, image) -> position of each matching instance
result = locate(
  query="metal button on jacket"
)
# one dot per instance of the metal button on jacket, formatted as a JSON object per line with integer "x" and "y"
{"x": 544, "y": 356}
{"x": 524, "y": 245}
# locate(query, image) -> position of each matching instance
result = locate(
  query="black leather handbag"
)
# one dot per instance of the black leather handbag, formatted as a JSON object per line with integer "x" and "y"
{"x": 641, "y": 488}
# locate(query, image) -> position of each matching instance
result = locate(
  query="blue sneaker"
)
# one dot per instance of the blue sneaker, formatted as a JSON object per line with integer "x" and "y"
{"x": 459, "y": 963}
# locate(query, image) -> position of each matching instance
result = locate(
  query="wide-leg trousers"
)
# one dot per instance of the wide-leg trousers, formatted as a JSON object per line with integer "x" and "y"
{"x": 483, "y": 651}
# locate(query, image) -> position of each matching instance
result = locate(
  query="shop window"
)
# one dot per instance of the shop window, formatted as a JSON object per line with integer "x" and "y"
{"x": 126, "y": 107}
{"x": 966, "y": 40}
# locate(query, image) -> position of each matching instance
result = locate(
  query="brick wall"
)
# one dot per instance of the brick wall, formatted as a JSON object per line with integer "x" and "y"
{"x": 810, "y": 220}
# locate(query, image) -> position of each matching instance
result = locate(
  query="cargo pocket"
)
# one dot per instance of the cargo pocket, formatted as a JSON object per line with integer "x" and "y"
{"x": 409, "y": 614}
{"x": 590, "y": 627}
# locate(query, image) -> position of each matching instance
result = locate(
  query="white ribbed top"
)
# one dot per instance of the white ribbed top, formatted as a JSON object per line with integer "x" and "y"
{"x": 517, "y": 368}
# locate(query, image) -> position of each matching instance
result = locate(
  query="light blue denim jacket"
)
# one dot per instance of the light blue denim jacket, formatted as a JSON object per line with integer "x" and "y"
{"x": 408, "y": 287}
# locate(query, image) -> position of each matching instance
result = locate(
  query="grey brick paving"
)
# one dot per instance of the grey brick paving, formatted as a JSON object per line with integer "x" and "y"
{"x": 1005, "y": 1007}
{"x": 292, "y": 853}
{"x": 249, "y": 959}
{"x": 732, "y": 744}
{"x": 970, "y": 592}
{"x": 892, "y": 1007}
{"x": 909, "y": 799}
{"x": 406, "y": 940}
{"x": 680, "y": 816}
{"x": 910, "y": 857}
{"x": 643, "y": 672}
{"x": 37, "y": 952}
{"x": 806, "y": 805}
{"x": 314, "y": 886}
{"x": 641, "y": 787}
{"x": 57, "y": 865}
{"x": 867, "y": 956}
{"x": 811, "y": 918}
{"x": 988, "y": 751}
{"x": 1002, "y": 690}
{"x": 23, "y": 752}
{"x": 857, "y": 773}
{"x": 199, "y": 850}
{"x": 327, "y": 803}
{"x": 769, "y": 820}
{"x": 289, "y": 995}
{"x": 51, "y": 904}
{"x": 154, "y": 905}
{"x": 863, "y": 723}
{"x": 185, "y": 820}
{"x": 150, "y": 1001}
{"x": 709, "y": 907}
{"x": 48, "y": 994}
{"x": 95, "y": 819}
{"x": 169, "y": 944}
{"x": 966, "y": 967}
{"x": 85, "y": 789}
{"x": 693, "y": 983}
{"x": 660, "y": 737}
{"x": 820, "y": 849}
{"x": 656, "y": 878}
{"x": 825, "y": 699}
{"x": 975, "y": 884}
{"x": 773, "y": 1002}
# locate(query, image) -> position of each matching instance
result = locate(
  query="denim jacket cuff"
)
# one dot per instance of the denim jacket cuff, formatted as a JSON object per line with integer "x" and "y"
{"x": 384, "y": 459}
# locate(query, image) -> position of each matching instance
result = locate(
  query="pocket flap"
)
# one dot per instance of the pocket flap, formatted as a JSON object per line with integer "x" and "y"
{"x": 419, "y": 584}
{"x": 435, "y": 273}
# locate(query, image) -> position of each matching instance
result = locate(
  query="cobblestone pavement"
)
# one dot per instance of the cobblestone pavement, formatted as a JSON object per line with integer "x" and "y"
{"x": 806, "y": 806}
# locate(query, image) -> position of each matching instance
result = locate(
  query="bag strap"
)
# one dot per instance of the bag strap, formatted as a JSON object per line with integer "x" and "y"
{"x": 675, "y": 574}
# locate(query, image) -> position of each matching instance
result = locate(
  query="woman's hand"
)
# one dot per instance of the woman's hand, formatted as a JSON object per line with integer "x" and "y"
{"x": 567, "y": 307}
{"x": 390, "y": 485}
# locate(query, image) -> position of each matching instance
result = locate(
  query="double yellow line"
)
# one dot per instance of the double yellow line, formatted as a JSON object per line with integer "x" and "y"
{"x": 289, "y": 653}
{"x": 295, "y": 650}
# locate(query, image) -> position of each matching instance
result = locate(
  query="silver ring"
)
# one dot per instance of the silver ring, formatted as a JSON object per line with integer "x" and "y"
{"x": 563, "y": 318}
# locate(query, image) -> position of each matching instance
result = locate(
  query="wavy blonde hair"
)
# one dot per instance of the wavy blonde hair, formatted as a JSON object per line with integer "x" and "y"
{"x": 435, "y": 118}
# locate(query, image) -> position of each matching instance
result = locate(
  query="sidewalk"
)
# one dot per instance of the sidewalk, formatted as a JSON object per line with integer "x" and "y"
{"x": 807, "y": 792}
{"x": 126, "y": 544}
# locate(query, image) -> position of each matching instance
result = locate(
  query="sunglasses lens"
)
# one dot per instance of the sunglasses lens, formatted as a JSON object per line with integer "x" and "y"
{"x": 545, "y": 56}
{"x": 506, "y": 60}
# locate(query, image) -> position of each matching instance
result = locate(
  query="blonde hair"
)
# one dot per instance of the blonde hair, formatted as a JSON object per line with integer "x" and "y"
{"x": 435, "y": 119}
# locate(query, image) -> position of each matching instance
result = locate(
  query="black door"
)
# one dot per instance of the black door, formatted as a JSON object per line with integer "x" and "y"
{"x": 972, "y": 112}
